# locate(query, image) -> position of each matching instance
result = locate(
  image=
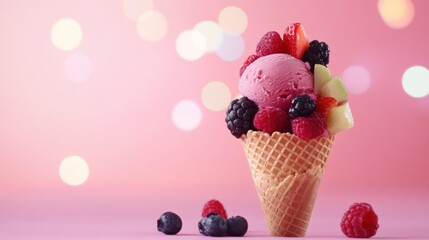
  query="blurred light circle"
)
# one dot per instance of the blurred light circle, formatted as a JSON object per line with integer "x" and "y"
{"x": 233, "y": 20}
{"x": 78, "y": 67}
{"x": 212, "y": 33}
{"x": 232, "y": 47}
{"x": 396, "y": 13}
{"x": 357, "y": 79}
{"x": 191, "y": 45}
{"x": 216, "y": 96}
{"x": 66, "y": 34}
{"x": 415, "y": 81}
{"x": 133, "y": 8}
{"x": 74, "y": 171}
{"x": 152, "y": 26}
{"x": 186, "y": 115}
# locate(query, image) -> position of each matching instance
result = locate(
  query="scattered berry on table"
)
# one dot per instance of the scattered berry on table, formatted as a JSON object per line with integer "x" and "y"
{"x": 359, "y": 221}
{"x": 236, "y": 226}
{"x": 214, "y": 206}
{"x": 213, "y": 225}
{"x": 240, "y": 115}
{"x": 318, "y": 53}
{"x": 169, "y": 223}
{"x": 302, "y": 106}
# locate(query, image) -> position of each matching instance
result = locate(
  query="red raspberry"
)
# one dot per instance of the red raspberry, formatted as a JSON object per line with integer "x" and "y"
{"x": 214, "y": 206}
{"x": 250, "y": 59}
{"x": 324, "y": 104}
{"x": 309, "y": 127}
{"x": 360, "y": 221}
{"x": 270, "y": 43}
{"x": 271, "y": 119}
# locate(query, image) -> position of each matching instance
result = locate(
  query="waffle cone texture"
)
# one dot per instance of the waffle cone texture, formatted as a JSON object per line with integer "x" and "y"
{"x": 287, "y": 171}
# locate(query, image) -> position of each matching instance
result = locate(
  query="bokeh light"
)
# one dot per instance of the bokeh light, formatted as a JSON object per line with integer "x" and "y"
{"x": 357, "y": 79}
{"x": 186, "y": 115}
{"x": 212, "y": 33}
{"x": 191, "y": 45}
{"x": 415, "y": 81}
{"x": 396, "y": 13}
{"x": 133, "y": 8}
{"x": 232, "y": 47}
{"x": 74, "y": 170}
{"x": 152, "y": 26}
{"x": 216, "y": 96}
{"x": 78, "y": 67}
{"x": 233, "y": 20}
{"x": 66, "y": 34}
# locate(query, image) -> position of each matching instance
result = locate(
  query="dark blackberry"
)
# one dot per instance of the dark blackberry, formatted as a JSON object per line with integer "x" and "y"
{"x": 317, "y": 53}
{"x": 240, "y": 115}
{"x": 169, "y": 223}
{"x": 302, "y": 106}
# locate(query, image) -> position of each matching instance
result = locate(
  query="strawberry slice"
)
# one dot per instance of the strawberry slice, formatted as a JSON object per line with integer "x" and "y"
{"x": 296, "y": 40}
{"x": 324, "y": 104}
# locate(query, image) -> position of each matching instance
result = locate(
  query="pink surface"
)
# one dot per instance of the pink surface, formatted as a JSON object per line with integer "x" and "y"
{"x": 118, "y": 117}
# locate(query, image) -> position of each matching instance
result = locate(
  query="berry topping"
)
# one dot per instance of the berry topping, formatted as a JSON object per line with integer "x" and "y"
{"x": 169, "y": 223}
{"x": 324, "y": 104}
{"x": 302, "y": 106}
{"x": 296, "y": 41}
{"x": 239, "y": 116}
{"x": 318, "y": 53}
{"x": 236, "y": 226}
{"x": 212, "y": 225}
{"x": 271, "y": 119}
{"x": 309, "y": 127}
{"x": 250, "y": 59}
{"x": 214, "y": 206}
{"x": 270, "y": 43}
{"x": 360, "y": 221}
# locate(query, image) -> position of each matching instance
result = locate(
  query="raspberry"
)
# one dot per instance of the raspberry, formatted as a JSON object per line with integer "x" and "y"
{"x": 270, "y": 43}
{"x": 271, "y": 119}
{"x": 309, "y": 127}
{"x": 214, "y": 206}
{"x": 250, "y": 59}
{"x": 318, "y": 53}
{"x": 324, "y": 104}
{"x": 360, "y": 221}
{"x": 239, "y": 116}
{"x": 302, "y": 106}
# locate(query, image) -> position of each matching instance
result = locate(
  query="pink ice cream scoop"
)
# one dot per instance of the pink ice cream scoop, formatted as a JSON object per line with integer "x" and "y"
{"x": 275, "y": 80}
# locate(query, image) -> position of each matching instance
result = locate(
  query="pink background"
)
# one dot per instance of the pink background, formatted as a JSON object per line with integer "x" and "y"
{"x": 141, "y": 164}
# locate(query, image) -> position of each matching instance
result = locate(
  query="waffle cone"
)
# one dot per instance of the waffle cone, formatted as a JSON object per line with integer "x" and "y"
{"x": 287, "y": 171}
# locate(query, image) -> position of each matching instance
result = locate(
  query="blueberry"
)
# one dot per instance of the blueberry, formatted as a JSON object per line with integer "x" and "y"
{"x": 213, "y": 225}
{"x": 169, "y": 223}
{"x": 236, "y": 226}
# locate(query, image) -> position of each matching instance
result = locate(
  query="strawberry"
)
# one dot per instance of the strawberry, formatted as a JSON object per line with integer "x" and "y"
{"x": 296, "y": 40}
{"x": 324, "y": 104}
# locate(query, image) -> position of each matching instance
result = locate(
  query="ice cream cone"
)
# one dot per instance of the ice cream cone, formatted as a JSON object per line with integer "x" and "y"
{"x": 287, "y": 171}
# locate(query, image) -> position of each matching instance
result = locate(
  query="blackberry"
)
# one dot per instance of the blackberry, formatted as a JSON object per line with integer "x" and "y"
{"x": 169, "y": 223}
{"x": 302, "y": 106}
{"x": 212, "y": 225}
{"x": 240, "y": 115}
{"x": 317, "y": 53}
{"x": 236, "y": 226}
